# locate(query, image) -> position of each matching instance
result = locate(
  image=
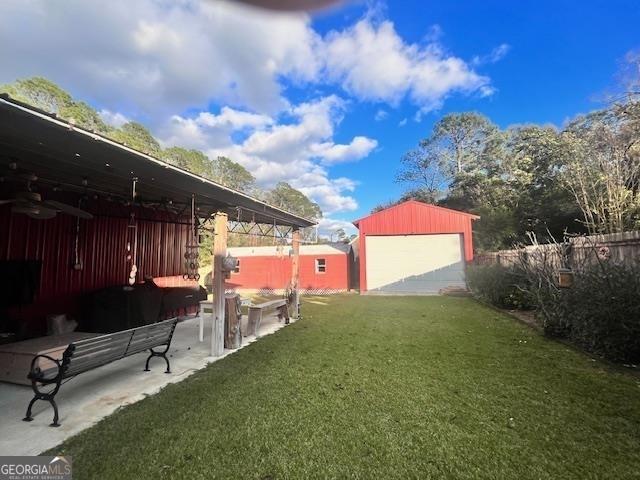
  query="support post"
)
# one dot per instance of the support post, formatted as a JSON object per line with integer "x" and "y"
{"x": 295, "y": 272}
{"x": 219, "y": 252}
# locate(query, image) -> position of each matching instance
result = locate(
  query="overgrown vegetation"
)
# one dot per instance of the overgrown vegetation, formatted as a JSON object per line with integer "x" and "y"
{"x": 380, "y": 388}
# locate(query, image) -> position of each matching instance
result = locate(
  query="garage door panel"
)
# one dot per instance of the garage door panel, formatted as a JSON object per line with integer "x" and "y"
{"x": 414, "y": 263}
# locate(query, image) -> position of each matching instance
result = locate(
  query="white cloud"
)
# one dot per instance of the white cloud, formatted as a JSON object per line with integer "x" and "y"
{"x": 292, "y": 147}
{"x": 402, "y": 122}
{"x": 380, "y": 115}
{"x": 115, "y": 119}
{"x": 327, "y": 226}
{"x": 494, "y": 56}
{"x": 372, "y": 62}
{"x": 359, "y": 147}
{"x": 155, "y": 58}
{"x": 235, "y": 119}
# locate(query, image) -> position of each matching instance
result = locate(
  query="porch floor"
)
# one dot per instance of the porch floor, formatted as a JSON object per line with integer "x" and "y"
{"x": 85, "y": 400}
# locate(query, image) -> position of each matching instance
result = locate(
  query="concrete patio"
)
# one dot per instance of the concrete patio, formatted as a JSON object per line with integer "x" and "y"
{"x": 91, "y": 396}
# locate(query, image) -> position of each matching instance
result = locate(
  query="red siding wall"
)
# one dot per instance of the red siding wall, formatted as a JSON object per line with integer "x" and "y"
{"x": 414, "y": 218}
{"x": 102, "y": 246}
{"x": 274, "y": 273}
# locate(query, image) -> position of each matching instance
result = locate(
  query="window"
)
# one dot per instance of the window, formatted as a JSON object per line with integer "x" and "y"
{"x": 237, "y": 269}
{"x": 321, "y": 265}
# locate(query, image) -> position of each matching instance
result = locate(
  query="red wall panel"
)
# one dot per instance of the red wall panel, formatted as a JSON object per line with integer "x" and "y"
{"x": 274, "y": 273}
{"x": 102, "y": 250}
{"x": 414, "y": 218}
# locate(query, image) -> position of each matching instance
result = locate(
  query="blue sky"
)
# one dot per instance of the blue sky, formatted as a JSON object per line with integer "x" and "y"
{"x": 328, "y": 103}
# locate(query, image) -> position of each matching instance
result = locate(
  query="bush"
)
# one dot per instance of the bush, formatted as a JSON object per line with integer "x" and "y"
{"x": 600, "y": 312}
{"x": 603, "y": 311}
{"x": 501, "y": 286}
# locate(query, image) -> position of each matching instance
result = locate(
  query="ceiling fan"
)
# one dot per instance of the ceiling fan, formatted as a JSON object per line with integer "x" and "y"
{"x": 31, "y": 204}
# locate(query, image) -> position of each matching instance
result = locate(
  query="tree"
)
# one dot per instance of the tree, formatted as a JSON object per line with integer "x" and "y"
{"x": 192, "y": 160}
{"x": 40, "y": 93}
{"x": 603, "y": 172}
{"x": 340, "y": 234}
{"x": 421, "y": 169}
{"x": 460, "y": 141}
{"x": 535, "y": 164}
{"x": 232, "y": 174}
{"x": 136, "y": 136}
{"x": 46, "y": 95}
{"x": 286, "y": 197}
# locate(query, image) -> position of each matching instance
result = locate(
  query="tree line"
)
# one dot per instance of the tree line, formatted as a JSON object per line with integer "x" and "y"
{"x": 582, "y": 178}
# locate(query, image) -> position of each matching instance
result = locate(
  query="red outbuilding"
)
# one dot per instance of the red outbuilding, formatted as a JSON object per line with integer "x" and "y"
{"x": 324, "y": 268}
{"x": 414, "y": 247}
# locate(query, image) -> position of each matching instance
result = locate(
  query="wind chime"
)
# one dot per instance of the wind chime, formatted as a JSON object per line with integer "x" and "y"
{"x": 192, "y": 248}
{"x": 132, "y": 234}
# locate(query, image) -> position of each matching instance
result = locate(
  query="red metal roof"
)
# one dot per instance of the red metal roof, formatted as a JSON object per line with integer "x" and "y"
{"x": 403, "y": 205}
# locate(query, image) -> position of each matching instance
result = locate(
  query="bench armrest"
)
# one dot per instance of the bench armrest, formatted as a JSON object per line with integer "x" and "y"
{"x": 35, "y": 373}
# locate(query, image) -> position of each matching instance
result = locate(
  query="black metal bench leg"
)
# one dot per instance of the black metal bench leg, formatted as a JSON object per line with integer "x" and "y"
{"x": 28, "y": 417}
{"x": 157, "y": 354}
{"x": 168, "y": 370}
{"x": 48, "y": 398}
{"x": 55, "y": 413}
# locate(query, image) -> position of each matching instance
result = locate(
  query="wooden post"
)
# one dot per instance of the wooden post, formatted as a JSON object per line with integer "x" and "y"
{"x": 219, "y": 252}
{"x": 295, "y": 271}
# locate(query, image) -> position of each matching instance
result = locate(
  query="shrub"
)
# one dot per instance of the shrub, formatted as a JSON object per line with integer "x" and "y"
{"x": 603, "y": 311}
{"x": 600, "y": 312}
{"x": 501, "y": 286}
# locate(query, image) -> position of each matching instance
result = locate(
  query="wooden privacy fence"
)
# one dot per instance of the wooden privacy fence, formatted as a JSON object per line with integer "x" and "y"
{"x": 573, "y": 252}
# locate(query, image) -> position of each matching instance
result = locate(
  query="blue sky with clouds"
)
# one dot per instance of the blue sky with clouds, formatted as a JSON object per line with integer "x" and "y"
{"x": 328, "y": 103}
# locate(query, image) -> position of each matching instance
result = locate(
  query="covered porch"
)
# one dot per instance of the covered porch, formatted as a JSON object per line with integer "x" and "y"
{"x": 79, "y": 214}
{"x": 88, "y": 398}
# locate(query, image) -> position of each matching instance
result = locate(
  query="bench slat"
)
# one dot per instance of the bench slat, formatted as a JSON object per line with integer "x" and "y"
{"x": 145, "y": 344}
{"x": 89, "y": 363}
{"x": 97, "y": 351}
{"x": 82, "y": 350}
{"x": 272, "y": 303}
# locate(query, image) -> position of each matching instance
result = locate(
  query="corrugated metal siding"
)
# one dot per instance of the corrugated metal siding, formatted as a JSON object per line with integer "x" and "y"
{"x": 412, "y": 218}
{"x": 102, "y": 250}
{"x": 274, "y": 273}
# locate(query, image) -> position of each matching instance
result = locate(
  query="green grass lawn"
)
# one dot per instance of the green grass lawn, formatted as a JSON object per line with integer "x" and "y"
{"x": 381, "y": 387}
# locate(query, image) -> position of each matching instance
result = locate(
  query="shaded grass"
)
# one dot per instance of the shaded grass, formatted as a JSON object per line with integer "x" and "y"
{"x": 381, "y": 387}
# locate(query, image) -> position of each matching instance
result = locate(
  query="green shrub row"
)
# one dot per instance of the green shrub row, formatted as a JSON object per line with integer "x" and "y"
{"x": 600, "y": 312}
{"x": 504, "y": 287}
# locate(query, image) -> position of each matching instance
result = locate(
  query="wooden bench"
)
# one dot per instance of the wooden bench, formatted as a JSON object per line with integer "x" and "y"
{"x": 84, "y": 355}
{"x": 256, "y": 311}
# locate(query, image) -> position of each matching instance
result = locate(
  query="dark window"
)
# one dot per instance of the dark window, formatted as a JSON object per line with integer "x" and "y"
{"x": 321, "y": 265}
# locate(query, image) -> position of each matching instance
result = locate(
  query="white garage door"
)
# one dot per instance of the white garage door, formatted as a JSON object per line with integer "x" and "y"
{"x": 414, "y": 263}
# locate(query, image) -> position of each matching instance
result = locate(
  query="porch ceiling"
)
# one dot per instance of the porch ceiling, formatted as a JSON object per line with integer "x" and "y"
{"x": 64, "y": 155}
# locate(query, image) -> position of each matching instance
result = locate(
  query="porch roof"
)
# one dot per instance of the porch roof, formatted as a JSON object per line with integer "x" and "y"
{"x": 64, "y": 155}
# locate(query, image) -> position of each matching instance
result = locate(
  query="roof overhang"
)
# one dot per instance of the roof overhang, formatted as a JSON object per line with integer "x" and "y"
{"x": 69, "y": 157}
{"x": 421, "y": 204}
